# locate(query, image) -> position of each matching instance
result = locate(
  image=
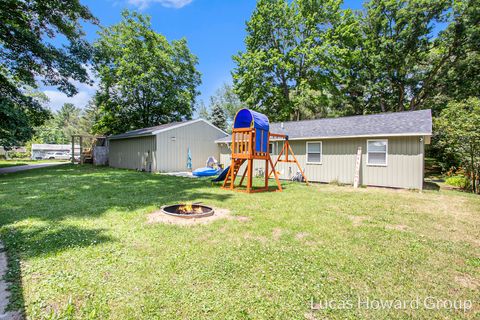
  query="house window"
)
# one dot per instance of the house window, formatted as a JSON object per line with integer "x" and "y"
{"x": 314, "y": 152}
{"x": 270, "y": 148}
{"x": 377, "y": 151}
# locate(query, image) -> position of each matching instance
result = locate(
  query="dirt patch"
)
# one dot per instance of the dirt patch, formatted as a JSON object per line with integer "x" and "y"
{"x": 358, "y": 220}
{"x": 240, "y": 218}
{"x": 301, "y": 235}
{"x": 398, "y": 227}
{"x": 261, "y": 239}
{"x": 277, "y": 233}
{"x": 160, "y": 217}
{"x": 310, "y": 316}
{"x": 467, "y": 281}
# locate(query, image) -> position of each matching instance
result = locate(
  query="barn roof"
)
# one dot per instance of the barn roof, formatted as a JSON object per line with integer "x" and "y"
{"x": 157, "y": 129}
{"x": 408, "y": 123}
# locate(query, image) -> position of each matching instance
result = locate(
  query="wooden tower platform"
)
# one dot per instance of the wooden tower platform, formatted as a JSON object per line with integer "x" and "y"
{"x": 250, "y": 141}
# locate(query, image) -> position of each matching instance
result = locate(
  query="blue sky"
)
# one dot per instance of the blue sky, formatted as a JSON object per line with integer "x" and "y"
{"x": 214, "y": 29}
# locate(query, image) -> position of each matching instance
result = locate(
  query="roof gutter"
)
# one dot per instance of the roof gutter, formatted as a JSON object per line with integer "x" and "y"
{"x": 416, "y": 134}
{"x": 118, "y": 137}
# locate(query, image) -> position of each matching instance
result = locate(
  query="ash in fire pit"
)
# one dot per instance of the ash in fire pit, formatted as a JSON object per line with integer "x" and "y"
{"x": 188, "y": 211}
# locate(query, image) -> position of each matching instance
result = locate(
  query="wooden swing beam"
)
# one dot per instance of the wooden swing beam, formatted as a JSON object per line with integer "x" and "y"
{"x": 287, "y": 149}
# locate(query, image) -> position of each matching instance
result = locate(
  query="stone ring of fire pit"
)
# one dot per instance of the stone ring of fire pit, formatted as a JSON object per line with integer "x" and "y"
{"x": 188, "y": 211}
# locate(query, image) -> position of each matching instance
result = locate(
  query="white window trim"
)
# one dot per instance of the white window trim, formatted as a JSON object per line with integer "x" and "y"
{"x": 306, "y": 152}
{"x": 386, "y": 153}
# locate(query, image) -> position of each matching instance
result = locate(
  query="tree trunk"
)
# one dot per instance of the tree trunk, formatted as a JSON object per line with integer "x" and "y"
{"x": 473, "y": 173}
{"x": 382, "y": 105}
{"x": 401, "y": 106}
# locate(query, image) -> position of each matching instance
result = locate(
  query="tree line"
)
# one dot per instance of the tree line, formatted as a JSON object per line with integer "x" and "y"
{"x": 306, "y": 59}
{"x": 144, "y": 79}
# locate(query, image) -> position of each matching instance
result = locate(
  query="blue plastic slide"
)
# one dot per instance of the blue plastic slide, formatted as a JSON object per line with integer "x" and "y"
{"x": 222, "y": 175}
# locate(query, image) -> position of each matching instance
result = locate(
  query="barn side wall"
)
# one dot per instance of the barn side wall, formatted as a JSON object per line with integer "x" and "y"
{"x": 173, "y": 145}
{"x": 132, "y": 153}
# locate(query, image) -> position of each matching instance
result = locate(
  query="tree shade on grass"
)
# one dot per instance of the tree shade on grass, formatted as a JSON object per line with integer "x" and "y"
{"x": 80, "y": 246}
{"x": 22, "y": 162}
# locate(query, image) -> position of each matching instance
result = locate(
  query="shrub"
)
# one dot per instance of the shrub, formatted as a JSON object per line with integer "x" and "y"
{"x": 18, "y": 155}
{"x": 458, "y": 181}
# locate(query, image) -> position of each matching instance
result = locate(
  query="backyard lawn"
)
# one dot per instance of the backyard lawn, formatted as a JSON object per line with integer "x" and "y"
{"x": 80, "y": 246}
{"x": 22, "y": 162}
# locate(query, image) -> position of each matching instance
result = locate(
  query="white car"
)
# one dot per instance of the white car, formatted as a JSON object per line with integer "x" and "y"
{"x": 57, "y": 156}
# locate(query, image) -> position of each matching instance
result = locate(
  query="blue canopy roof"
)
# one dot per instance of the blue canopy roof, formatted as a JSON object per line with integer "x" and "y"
{"x": 247, "y": 118}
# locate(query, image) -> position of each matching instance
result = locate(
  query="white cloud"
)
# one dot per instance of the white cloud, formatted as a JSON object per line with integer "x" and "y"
{"x": 143, "y": 4}
{"x": 80, "y": 100}
{"x": 57, "y": 99}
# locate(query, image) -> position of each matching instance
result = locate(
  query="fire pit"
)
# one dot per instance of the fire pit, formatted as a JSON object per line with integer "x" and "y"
{"x": 188, "y": 211}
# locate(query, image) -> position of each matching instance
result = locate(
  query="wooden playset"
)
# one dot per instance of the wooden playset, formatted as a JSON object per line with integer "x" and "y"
{"x": 251, "y": 137}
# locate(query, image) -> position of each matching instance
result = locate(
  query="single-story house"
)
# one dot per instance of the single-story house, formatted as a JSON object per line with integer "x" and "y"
{"x": 40, "y": 150}
{"x": 392, "y": 148}
{"x": 165, "y": 148}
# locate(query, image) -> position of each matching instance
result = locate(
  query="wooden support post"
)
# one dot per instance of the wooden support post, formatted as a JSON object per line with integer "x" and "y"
{"x": 249, "y": 175}
{"x": 266, "y": 172}
{"x": 298, "y": 164}
{"x": 232, "y": 174}
{"x": 278, "y": 158}
{"x": 73, "y": 149}
{"x": 250, "y": 161}
{"x": 276, "y": 175}
{"x": 81, "y": 150}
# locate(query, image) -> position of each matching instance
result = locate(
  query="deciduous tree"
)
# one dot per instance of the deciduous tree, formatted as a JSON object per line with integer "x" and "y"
{"x": 286, "y": 45}
{"x": 27, "y": 53}
{"x": 458, "y": 132}
{"x": 226, "y": 97}
{"x": 144, "y": 79}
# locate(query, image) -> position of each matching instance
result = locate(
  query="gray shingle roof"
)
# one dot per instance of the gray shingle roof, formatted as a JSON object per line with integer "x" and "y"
{"x": 146, "y": 131}
{"x": 384, "y": 124}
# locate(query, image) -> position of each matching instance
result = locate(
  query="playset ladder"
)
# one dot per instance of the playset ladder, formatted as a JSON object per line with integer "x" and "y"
{"x": 229, "y": 181}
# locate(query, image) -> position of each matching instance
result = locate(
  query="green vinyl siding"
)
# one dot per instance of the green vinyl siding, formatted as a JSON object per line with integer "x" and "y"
{"x": 404, "y": 167}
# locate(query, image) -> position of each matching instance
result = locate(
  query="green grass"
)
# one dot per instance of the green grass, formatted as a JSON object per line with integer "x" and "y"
{"x": 22, "y": 162}
{"x": 80, "y": 247}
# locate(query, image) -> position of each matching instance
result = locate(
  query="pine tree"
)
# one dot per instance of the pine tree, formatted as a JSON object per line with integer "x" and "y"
{"x": 218, "y": 116}
{"x": 202, "y": 111}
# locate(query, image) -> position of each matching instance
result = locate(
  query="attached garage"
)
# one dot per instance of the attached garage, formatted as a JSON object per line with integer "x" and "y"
{"x": 165, "y": 148}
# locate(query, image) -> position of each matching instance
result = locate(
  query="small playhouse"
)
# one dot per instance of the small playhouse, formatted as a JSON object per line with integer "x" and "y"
{"x": 250, "y": 140}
